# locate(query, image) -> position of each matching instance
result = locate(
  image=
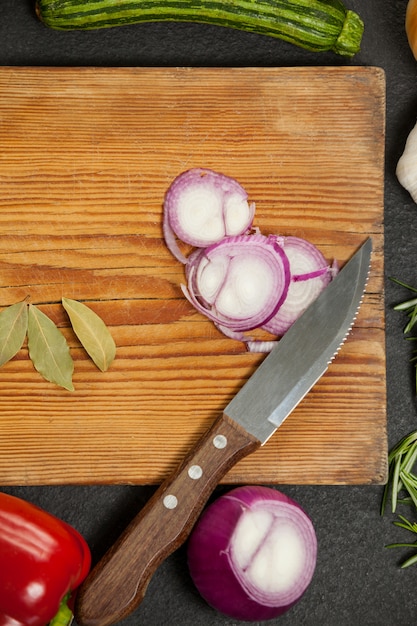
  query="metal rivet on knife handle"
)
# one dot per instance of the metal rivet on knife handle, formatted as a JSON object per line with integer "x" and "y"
{"x": 170, "y": 501}
{"x": 195, "y": 472}
{"x": 220, "y": 441}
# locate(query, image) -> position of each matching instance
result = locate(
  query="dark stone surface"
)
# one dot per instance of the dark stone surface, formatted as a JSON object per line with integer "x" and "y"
{"x": 357, "y": 581}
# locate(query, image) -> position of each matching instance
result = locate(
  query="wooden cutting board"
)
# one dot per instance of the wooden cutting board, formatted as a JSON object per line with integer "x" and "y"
{"x": 85, "y": 158}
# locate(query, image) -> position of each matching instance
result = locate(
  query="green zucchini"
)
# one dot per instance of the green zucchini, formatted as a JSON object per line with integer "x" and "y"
{"x": 316, "y": 25}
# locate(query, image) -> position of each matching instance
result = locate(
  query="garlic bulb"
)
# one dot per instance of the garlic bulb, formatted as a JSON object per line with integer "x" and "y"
{"x": 407, "y": 165}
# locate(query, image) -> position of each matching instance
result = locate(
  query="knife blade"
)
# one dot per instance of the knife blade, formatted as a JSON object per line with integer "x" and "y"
{"x": 117, "y": 584}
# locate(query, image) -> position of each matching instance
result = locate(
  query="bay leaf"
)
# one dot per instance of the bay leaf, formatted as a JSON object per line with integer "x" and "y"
{"x": 48, "y": 349}
{"x": 13, "y": 328}
{"x": 92, "y": 333}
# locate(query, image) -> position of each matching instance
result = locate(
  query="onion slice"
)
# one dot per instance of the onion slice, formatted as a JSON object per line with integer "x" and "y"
{"x": 252, "y": 553}
{"x": 239, "y": 283}
{"x": 202, "y": 207}
{"x": 310, "y": 274}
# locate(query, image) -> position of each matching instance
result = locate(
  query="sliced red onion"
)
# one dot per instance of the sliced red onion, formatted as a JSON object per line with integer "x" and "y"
{"x": 231, "y": 275}
{"x": 259, "y": 346}
{"x": 252, "y": 553}
{"x": 233, "y": 334}
{"x": 240, "y": 282}
{"x": 202, "y": 207}
{"x": 310, "y": 274}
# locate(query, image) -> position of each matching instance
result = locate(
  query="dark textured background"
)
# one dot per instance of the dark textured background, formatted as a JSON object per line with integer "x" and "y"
{"x": 357, "y": 581}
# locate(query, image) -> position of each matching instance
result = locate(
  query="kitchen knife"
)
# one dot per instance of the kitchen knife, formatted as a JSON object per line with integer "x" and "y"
{"x": 117, "y": 584}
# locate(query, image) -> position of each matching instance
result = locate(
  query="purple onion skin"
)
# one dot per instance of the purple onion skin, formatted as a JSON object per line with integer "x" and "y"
{"x": 207, "y": 555}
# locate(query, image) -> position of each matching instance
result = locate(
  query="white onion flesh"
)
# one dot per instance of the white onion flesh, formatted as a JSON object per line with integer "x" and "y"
{"x": 252, "y": 553}
{"x": 267, "y": 551}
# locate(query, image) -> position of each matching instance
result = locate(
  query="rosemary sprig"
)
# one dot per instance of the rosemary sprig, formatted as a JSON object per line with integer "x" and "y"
{"x": 401, "y": 460}
{"x": 402, "y": 486}
{"x": 410, "y": 308}
{"x": 412, "y": 527}
{"x": 402, "y": 482}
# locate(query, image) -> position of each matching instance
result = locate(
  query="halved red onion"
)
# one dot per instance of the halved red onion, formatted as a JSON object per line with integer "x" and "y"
{"x": 310, "y": 274}
{"x": 202, "y": 207}
{"x": 252, "y": 553}
{"x": 239, "y": 283}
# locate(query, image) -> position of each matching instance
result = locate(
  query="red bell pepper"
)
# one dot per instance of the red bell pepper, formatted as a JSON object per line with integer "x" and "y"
{"x": 42, "y": 560}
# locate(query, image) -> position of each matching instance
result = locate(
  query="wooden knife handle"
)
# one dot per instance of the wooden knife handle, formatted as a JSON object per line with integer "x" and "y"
{"x": 117, "y": 584}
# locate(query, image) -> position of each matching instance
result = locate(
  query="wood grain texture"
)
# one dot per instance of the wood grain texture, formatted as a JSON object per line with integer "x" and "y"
{"x": 86, "y": 155}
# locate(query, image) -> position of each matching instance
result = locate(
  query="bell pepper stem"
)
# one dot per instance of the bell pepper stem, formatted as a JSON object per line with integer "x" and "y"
{"x": 64, "y": 617}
